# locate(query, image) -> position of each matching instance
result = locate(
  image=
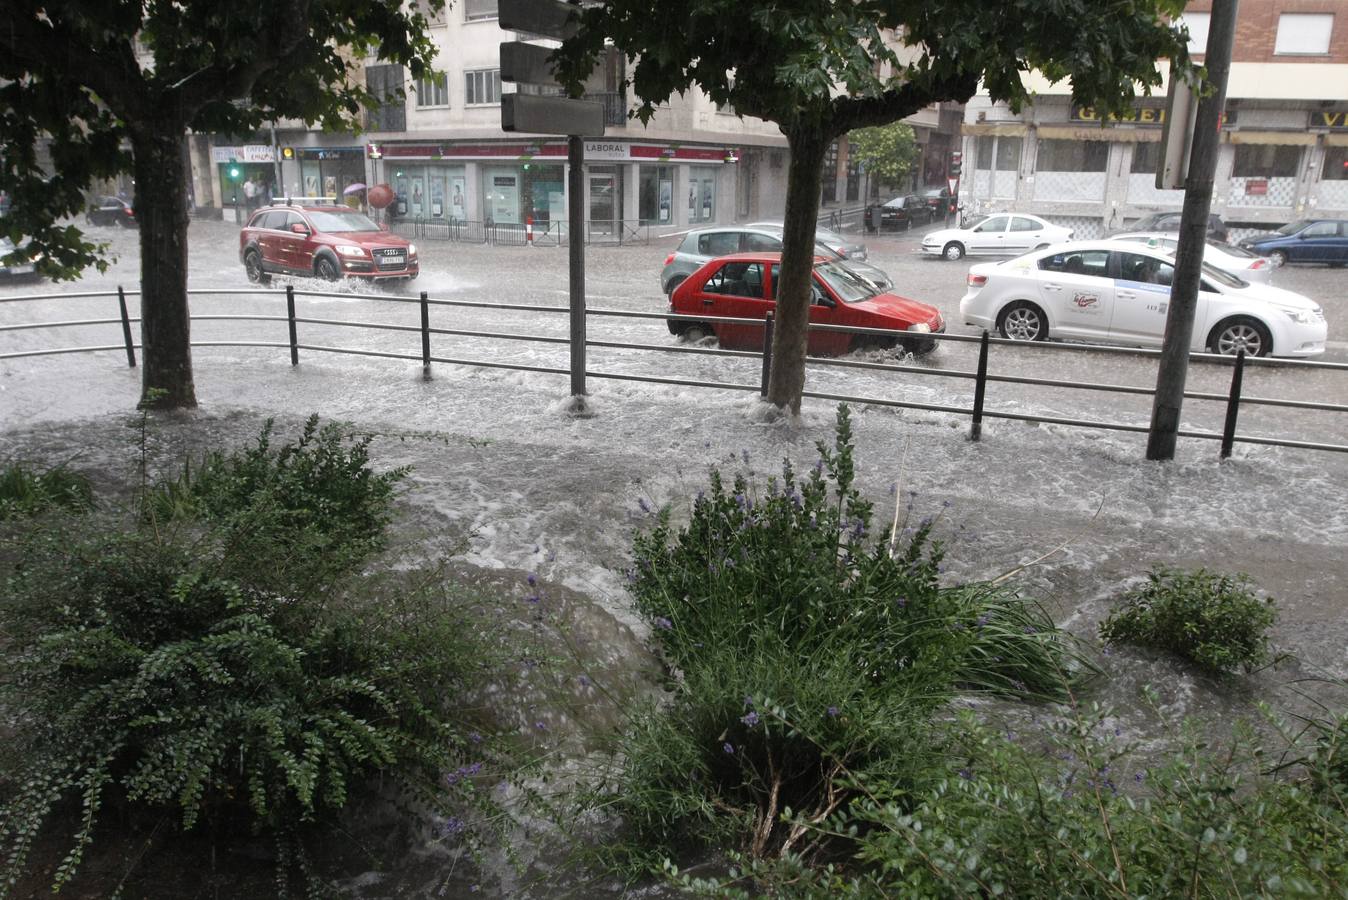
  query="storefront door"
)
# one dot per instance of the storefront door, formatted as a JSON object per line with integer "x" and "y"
{"x": 603, "y": 204}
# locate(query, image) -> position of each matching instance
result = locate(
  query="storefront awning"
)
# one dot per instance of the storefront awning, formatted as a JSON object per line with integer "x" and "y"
{"x": 1336, "y": 140}
{"x": 1270, "y": 137}
{"x": 1089, "y": 133}
{"x": 1000, "y": 129}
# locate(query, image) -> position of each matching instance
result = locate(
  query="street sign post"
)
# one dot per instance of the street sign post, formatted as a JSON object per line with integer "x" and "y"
{"x": 534, "y": 113}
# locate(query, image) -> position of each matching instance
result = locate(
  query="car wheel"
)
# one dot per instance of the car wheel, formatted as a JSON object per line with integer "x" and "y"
{"x": 1279, "y": 257}
{"x": 128, "y": 223}
{"x": 696, "y": 331}
{"x": 326, "y": 269}
{"x": 674, "y": 283}
{"x": 1023, "y": 321}
{"x": 953, "y": 251}
{"x": 1241, "y": 333}
{"x": 252, "y": 265}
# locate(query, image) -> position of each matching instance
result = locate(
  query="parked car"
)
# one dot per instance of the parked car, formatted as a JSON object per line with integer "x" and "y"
{"x": 1229, "y": 258}
{"x": 744, "y": 285}
{"x": 1170, "y": 221}
{"x": 18, "y": 268}
{"x": 329, "y": 241}
{"x": 899, "y": 213}
{"x": 940, "y": 201}
{"x": 111, "y": 211}
{"x": 839, "y": 246}
{"x": 1001, "y": 234}
{"x": 699, "y": 246}
{"x": 1116, "y": 293}
{"x": 1304, "y": 241}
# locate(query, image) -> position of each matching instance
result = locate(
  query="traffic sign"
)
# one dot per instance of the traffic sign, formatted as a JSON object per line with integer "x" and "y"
{"x": 538, "y": 114}
{"x": 952, "y": 184}
{"x": 545, "y": 18}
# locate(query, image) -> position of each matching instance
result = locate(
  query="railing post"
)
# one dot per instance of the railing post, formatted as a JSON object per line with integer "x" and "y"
{"x": 126, "y": 328}
{"x": 767, "y": 356}
{"x": 1233, "y": 405}
{"x": 290, "y": 315}
{"x": 425, "y": 338}
{"x": 980, "y": 388}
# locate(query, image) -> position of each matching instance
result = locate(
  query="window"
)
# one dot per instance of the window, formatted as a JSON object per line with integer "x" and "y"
{"x": 1145, "y": 158}
{"x": 482, "y": 87}
{"x": 433, "y": 90}
{"x": 992, "y": 225}
{"x": 1008, "y": 154}
{"x": 737, "y": 280}
{"x": 1145, "y": 269}
{"x": 1079, "y": 262}
{"x": 762, "y": 243}
{"x": 983, "y": 152}
{"x": 1266, "y": 161}
{"x": 1336, "y": 164}
{"x": 477, "y": 10}
{"x": 1304, "y": 33}
{"x": 388, "y": 112}
{"x": 1072, "y": 156}
{"x": 718, "y": 243}
{"x": 1197, "y": 23}
{"x": 1020, "y": 223}
{"x": 1321, "y": 229}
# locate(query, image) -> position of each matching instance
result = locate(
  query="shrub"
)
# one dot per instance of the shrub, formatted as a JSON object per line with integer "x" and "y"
{"x": 24, "y": 492}
{"x": 1213, "y": 620}
{"x": 154, "y": 677}
{"x": 807, "y": 656}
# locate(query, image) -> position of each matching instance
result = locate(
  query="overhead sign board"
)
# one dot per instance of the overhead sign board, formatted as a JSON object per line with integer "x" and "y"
{"x": 545, "y": 18}
{"x": 536, "y": 114}
{"x": 523, "y": 63}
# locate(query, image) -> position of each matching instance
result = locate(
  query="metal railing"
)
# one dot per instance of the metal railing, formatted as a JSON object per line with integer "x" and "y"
{"x": 544, "y": 233}
{"x": 977, "y": 411}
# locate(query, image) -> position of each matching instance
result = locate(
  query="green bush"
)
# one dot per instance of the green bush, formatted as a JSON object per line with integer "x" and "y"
{"x": 1215, "y": 621}
{"x": 153, "y": 673}
{"x": 807, "y": 656}
{"x": 24, "y": 492}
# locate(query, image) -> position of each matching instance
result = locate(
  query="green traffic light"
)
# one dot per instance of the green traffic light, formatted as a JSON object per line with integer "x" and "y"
{"x": 234, "y": 173}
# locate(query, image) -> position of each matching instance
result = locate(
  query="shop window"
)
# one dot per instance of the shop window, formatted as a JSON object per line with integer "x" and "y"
{"x": 433, "y": 91}
{"x": 1072, "y": 156}
{"x": 1336, "y": 164}
{"x": 1197, "y": 23}
{"x": 983, "y": 148}
{"x": 1008, "y": 154}
{"x": 479, "y": 10}
{"x": 1304, "y": 33}
{"x": 1145, "y": 158}
{"x": 655, "y": 202}
{"x": 482, "y": 87}
{"x": 1266, "y": 161}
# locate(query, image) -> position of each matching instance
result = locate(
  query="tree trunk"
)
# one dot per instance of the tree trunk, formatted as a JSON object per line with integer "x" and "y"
{"x": 786, "y": 381}
{"x": 161, "y": 209}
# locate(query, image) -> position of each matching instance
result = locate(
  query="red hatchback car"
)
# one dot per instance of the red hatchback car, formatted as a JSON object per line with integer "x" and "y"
{"x": 324, "y": 240}
{"x": 744, "y": 286}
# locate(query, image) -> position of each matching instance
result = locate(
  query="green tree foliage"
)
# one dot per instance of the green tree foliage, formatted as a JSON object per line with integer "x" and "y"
{"x": 113, "y": 87}
{"x": 887, "y": 151}
{"x": 820, "y": 70}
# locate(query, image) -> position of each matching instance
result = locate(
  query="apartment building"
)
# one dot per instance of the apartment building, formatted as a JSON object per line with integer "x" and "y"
{"x": 1283, "y": 153}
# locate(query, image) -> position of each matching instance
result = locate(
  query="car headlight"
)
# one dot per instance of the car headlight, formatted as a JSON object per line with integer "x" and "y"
{"x": 1300, "y": 316}
{"x": 348, "y": 250}
{"x": 411, "y": 249}
{"x": 921, "y": 327}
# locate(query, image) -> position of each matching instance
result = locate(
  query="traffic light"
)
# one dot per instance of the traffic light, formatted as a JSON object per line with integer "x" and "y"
{"x": 234, "y": 172}
{"x": 956, "y": 163}
{"x": 287, "y": 153}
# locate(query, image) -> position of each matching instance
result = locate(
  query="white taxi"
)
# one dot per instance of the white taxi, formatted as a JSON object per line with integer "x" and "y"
{"x": 1119, "y": 293}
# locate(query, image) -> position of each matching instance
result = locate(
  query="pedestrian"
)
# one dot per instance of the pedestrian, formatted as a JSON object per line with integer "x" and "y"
{"x": 267, "y": 195}
{"x": 250, "y": 193}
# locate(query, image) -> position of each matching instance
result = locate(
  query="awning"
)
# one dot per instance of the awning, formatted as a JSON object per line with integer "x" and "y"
{"x": 1271, "y": 137}
{"x": 1095, "y": 133}
{"x": 1336, "y": 140}
{"x": 1000, "y": 129}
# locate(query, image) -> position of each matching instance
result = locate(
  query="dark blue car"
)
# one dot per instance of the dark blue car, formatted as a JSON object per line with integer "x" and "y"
{"x": 1305, "y": 241}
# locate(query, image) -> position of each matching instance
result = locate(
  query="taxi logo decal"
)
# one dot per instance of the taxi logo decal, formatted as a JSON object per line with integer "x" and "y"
{"x": 1086, "y": 301}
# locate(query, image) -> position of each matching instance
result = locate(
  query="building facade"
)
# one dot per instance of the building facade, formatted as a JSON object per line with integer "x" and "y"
{"x": 1283, "y": 154}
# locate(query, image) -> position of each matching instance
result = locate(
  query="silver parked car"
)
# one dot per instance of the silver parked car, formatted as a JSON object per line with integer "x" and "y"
{"x": 765, "y": 237}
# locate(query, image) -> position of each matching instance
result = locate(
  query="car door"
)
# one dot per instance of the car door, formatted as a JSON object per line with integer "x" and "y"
{"x": 988, "y": 238}
{"x": 1078, "y": 292}
{"x": 1315, "y": 243}
{"x": 1142, "y": 298}
{"x": 293, "y": 248}
{"x": 1024, "y": 234}
{"x": 737, "y": 290}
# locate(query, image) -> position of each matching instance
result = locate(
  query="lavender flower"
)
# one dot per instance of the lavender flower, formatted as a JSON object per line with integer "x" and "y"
{"x": 645, "y": 507}
{"x": 833, "y": 712}
{"x": 532, "y": 579}
{"x": 728, "y": 747}
{"x": 663, "y": 624}
{"x": 751, "y": 719}
{"x": 541, "y": 725}
{"x": 453, "y": 826}
{"x": 475, "y": 737}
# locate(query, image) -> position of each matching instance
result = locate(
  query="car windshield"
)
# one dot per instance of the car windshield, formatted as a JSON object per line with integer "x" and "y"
{"x": 848, "y": 285}
{"x": 1292, "y": 227}
{"x": 1223, "y": 278}
{"x": 338, "y": 221}
{"x": 974, "y": 222}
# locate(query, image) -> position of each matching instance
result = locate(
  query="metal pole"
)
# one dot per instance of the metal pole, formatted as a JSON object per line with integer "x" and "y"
{"x": 425, "y": 338}
{"x": 1179, "y": 323}
{"x": 1233, "y": 405}
{"x": 575, "y": 209}
{"x": 980, "y": 388}
{"x": 126, "y": 328}
{"x": 767, "y": 356}
{"x": 290, "y": 314}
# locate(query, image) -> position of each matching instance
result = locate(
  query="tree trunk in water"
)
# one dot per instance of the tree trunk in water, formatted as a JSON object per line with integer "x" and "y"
{"x": 161, "y": 209}
{"x": 786, "y": 381}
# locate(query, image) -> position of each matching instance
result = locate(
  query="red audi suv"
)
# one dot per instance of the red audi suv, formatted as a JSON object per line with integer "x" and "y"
{"x": 328, "y": 241}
